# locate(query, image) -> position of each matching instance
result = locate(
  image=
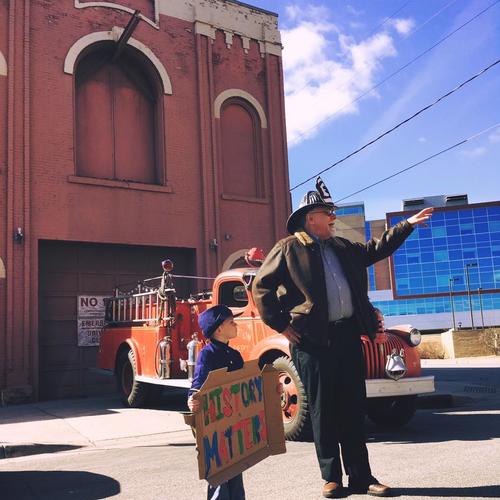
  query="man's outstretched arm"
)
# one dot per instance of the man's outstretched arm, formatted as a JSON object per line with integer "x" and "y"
{"x": 394, "y": 237}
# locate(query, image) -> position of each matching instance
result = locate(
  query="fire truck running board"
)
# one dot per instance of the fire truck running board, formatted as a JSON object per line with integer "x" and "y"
{"x": 383, "y": 387}
{"x": 171, "y": 382}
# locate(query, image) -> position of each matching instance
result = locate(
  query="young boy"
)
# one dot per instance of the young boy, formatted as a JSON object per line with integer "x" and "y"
{"x": 218, "y": 325}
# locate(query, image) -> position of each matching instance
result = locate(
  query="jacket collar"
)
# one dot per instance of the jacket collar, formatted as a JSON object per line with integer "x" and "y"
{"x": 219, "y": 344}
{"x": 307, "y": 240}
{"x": 304, "y": 238}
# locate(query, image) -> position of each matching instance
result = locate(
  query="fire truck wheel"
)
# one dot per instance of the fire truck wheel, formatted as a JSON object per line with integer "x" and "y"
{"x": 134, "y": 393}
{"x": 294, "y": 407}
{"x": 391, "y": 412}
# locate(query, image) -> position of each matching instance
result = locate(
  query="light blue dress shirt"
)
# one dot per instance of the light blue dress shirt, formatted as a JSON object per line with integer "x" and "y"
{"x": 338, "y": 290}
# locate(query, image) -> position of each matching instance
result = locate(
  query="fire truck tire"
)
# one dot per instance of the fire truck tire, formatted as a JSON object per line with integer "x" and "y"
{"x": 391, "y": 412}
{"x": 134, "y": 394}
{"x": 294, "y": 406}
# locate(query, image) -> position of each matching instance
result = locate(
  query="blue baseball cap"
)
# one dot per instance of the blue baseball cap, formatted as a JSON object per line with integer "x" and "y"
{"x": 210, "y": 319}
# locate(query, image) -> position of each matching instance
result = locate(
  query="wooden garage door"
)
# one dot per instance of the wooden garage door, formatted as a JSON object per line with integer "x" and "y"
{"x": 71, "y": 269}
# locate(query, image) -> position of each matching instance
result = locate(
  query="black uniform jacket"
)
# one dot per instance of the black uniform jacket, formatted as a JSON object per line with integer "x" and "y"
{"x": 289, "y": 288}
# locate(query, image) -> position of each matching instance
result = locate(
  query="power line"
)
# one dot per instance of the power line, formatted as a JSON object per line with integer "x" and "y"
{"x": 418, "y": 28}
{"x": 388, "y": 18}
{"x": 406, "y": 120}
{"x": 463, "y": 141}
{"x": 409, "y": 63}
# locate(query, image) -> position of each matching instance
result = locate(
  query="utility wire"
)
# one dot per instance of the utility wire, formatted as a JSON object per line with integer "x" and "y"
{"x": 418, "y": 28}
{"x": 388, "y": 18}
{"x": 449, "y": 148}
{"x": 409, "y": 63}
{"x": 406, "y": 120}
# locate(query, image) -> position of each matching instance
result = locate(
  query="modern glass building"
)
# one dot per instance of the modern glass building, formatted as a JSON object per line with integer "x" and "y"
{"x": 449, "y": 268}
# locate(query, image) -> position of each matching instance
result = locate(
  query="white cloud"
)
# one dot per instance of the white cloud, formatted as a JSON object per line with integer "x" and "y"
{"x": 352, "y": 10}
{"x": 494, "y": 137}
{"x": 325, "y": 70}
{"x": 422, "y": 139}
{"x": 355, "y": 25}
{"x": 471, "y": 154}
{"x": 403, "y": 26}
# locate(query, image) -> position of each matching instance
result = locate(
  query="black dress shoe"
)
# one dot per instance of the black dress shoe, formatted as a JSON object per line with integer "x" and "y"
{"x": 333, "y": 490}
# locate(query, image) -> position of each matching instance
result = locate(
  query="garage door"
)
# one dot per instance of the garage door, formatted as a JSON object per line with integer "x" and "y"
{"x": 71, "y": 269}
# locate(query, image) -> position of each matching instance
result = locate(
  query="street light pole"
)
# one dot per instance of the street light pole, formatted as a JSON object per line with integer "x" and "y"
{"x": 472, "y": 264}
{"x": 479, "y": 292}
{"x": 451, "y": 281}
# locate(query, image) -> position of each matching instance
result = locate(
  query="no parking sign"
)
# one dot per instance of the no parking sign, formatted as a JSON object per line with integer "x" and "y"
{"x": 91, "y": 310}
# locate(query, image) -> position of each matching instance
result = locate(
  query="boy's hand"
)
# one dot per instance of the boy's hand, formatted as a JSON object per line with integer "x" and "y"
{"x": 193, "y": 404}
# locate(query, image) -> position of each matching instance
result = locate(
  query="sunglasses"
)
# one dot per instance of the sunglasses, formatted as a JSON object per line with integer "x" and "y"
{"x": 329, "y": 212}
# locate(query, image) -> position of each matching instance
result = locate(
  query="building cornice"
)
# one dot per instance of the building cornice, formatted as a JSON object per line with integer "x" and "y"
{"x": 234, "y": 18}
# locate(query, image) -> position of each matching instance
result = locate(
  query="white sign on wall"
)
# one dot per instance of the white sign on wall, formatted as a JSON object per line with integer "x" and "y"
{"x": 91, "y": 309}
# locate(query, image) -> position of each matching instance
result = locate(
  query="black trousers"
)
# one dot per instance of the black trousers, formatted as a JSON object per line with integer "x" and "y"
{"x": 334, "y": 380}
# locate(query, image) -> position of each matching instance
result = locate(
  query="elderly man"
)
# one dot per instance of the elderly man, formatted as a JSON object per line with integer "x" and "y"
{"x": 312, "y": 288}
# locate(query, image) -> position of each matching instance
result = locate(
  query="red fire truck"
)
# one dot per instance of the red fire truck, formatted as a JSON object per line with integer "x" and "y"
{"x": 151, "y": 339}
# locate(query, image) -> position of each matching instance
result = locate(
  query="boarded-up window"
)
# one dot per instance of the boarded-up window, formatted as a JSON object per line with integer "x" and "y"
{"x": 116, "y": 118}
{"x": 241, "y": 150}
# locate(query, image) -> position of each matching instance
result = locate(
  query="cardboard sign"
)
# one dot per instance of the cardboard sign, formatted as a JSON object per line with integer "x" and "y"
{"x": 239, "y": 422}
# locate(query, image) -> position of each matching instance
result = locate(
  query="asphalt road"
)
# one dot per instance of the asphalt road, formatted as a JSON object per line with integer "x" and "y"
{"x": 446, "y": 453}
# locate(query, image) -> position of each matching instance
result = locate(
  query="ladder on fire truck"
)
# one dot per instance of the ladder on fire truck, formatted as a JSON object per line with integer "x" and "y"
{"x": 146, "y": 303}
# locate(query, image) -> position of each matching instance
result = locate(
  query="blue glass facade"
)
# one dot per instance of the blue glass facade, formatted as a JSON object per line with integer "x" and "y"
{"x": 432, "y": 305}
{"x": 355, "y": 210}
{"x": 371, "y": 269}
{"x": 455, "y": 240}
{"x": 437, "y": 259}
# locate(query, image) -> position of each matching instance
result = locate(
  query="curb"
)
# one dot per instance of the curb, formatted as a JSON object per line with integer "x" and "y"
{"x": 25, "y": 449}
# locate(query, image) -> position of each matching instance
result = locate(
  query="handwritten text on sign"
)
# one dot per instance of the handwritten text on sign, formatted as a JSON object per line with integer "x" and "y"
{"x": 241, "y": 407}
{"x": 239, "y": 423}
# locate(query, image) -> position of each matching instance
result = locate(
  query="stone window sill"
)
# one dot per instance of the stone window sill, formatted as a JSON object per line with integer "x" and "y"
{"x": 92, "y": 181}
{"x": 232, "y": 197}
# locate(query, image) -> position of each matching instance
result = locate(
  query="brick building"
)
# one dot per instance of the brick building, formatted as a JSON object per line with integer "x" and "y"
{"x": 126, "y": 137}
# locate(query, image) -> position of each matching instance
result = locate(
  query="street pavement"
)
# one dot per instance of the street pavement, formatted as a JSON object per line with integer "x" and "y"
{"x": 107, "y": 450}
{"x": 61, "y": 425}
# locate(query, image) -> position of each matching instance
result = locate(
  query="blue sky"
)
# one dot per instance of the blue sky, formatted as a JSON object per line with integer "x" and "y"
{"x": 336, "y": 50}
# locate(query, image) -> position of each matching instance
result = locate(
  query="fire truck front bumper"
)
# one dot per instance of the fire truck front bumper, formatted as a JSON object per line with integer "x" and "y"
{"x": 384, "y": 387}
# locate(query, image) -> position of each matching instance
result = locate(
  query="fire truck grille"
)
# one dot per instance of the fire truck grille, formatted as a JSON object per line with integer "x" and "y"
{"x": 375, "y": 353}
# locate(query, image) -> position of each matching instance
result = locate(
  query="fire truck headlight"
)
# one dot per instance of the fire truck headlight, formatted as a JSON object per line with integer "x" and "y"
{"x": 415, "y": 337}
{"x": 167, "y": 265}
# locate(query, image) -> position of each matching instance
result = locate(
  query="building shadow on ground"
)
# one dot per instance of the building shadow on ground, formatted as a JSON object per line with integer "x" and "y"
{"x": 492, "y": 491}
{"x": 56, "y": 485}
{"x": 437, "y": 426}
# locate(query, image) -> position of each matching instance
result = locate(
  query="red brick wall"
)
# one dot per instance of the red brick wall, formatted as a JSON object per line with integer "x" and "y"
{"x": 50, "y": 207}
{"x": 3, "y": 181}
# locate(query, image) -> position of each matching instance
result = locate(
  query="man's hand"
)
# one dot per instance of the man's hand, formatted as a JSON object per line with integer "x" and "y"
{"x": 422, "y": 217}
{"x": 193, "y": 404}
{"x": 292, "y": 335}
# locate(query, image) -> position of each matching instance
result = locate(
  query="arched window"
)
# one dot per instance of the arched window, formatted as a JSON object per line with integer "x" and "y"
{"x": 118, "y": 121}
{"x": 241, "y": 149}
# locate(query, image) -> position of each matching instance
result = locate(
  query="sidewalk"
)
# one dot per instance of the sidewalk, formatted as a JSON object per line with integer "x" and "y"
{"x": 52, "y": 426}
{"x": 68, "y": 424}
